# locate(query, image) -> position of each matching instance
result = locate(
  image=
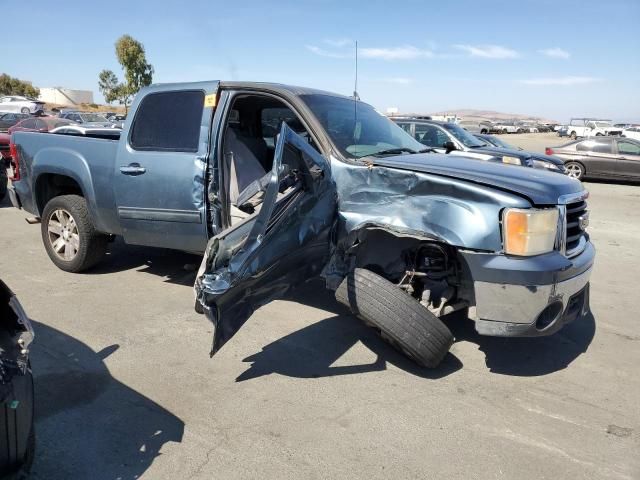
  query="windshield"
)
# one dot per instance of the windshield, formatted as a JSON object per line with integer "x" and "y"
{"x": 93, "y": 117}
{"x": 498, "y": 142}
{"x": 356, "y": 129}
{"x": 602, "y": 124}
{"x": 463, "y": 136}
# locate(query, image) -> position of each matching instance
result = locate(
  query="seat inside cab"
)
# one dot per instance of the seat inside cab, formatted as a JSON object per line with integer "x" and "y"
{"x": 250, "y": 136}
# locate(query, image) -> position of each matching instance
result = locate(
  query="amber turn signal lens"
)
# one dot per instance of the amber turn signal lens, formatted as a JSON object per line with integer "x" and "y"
{"x": 529, "y": 231}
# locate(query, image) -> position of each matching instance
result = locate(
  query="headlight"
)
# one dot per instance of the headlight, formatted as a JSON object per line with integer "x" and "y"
{"x": 511, "y": 160}
{"x": 548, "y": 165}
{"x": 529, "y": 231}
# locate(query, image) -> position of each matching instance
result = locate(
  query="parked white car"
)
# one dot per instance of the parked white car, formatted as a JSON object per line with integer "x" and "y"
{"x": 506, "y": 128}
{"x": 591, "y": 127}
{"x": 16, "y": 103}
{"x": 633, "y": 132}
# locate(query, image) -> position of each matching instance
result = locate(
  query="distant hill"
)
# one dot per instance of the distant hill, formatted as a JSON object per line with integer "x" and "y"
{"x": 472, "y": 114}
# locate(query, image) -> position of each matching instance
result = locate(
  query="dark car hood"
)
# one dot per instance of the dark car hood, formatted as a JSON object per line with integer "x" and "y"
{"x": 519, "y": 154}
{"x": 539, "y": 186}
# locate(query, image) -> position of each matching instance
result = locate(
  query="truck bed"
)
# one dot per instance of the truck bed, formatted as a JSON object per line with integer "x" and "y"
{"x": 90, "y": 161}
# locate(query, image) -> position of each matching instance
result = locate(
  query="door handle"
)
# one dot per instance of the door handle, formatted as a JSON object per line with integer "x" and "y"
{"x": 132, "y": 169}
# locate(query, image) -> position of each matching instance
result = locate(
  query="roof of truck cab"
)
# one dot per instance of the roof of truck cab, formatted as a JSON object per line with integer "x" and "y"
{"x": 280, "y": 87}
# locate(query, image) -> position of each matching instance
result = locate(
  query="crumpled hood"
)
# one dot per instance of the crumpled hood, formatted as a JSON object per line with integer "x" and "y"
{"x": 539, "y": 186}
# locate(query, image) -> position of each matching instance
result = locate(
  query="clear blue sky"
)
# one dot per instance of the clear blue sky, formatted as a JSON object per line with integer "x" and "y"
{"x": 553, "y": 58}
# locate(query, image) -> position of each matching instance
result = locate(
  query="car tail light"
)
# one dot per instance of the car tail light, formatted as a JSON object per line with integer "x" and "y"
{"x": 548, "y": 151}
{"x": 15, "y": 162}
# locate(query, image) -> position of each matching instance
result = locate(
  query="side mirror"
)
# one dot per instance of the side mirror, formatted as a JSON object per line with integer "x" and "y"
{"x": 449, "y": 146}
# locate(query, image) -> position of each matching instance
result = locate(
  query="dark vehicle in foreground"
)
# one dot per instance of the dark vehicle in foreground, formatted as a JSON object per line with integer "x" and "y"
{"x": 39, "y": 124}
{"x": 600, "y": 157}
{"x": 8, "y": 120}
{"x": 17, "y": 437}
{"x": 402, "y": 236}
{"x": 449, "y": 138}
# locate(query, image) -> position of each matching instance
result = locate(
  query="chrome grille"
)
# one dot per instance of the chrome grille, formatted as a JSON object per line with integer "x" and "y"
{"x": 576, "y": 218}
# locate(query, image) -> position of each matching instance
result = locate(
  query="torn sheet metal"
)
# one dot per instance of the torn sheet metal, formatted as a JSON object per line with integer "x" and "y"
{"x": 16, "y": 335}
{"x": 415, "y": 203}
{"x": 282, "y": 246}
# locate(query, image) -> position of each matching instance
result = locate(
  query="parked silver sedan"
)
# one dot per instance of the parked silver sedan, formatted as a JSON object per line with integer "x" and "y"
{"x": 600, "y": 157}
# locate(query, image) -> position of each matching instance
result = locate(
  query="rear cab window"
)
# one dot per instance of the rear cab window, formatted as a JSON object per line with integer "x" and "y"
{"x": 168, "y": 121}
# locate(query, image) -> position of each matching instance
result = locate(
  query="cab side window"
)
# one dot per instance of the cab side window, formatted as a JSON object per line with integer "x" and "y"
{"x": 168, "y": 121}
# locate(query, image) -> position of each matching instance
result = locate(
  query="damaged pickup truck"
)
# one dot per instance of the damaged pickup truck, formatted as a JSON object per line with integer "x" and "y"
{"x": 278, "y": 184}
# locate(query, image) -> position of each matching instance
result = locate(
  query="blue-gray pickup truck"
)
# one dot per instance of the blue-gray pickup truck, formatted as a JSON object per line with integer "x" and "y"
{"x": 278, "y": 184}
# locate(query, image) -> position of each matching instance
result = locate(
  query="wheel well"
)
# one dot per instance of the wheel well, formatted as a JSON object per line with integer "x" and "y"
{"x": 50, "y": 185}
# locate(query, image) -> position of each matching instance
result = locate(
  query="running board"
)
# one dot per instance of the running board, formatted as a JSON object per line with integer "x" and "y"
{"x": 32, "y": 220}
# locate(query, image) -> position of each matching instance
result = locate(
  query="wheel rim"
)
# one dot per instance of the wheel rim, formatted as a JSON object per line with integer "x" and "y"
{"x": 63, "y": 234}
{"x": 574, "y": 170}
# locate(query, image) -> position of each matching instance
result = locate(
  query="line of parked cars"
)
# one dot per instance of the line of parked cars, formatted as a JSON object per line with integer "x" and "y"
{"x": 594, "y": 127}
{"x": 487, "y": 127}
{"x": 451, "y": 138}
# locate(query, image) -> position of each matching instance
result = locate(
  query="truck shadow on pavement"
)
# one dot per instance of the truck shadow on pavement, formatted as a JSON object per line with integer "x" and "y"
{"x": 89, "y": 425}
{"x": 176, "y": 267}
{"x": 311, "y": 351}
{"x": 528, "y": 357}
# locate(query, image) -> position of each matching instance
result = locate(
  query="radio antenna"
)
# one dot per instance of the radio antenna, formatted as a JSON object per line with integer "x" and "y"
{"x": 356, "y": 97}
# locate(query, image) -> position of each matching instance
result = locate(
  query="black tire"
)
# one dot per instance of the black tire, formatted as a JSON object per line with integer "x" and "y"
{"x": 575, "y": 170}
{"x": 17, "y": 434}
{"x": 573, "y": 136}
{"x": 401, "y": 319}
{"x": 483, "y": 131}
{"x": 92, "y": 245}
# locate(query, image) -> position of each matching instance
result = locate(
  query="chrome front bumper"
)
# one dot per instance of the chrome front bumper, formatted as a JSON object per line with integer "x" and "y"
{"x": 534, "y": 310}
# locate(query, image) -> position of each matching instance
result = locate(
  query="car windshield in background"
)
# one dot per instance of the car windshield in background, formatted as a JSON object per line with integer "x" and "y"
{"x": 463, "y": 136}
{"x": 501, "y": 143}
{"x": 357, "y": 129}
{"x": 93, "y": 117}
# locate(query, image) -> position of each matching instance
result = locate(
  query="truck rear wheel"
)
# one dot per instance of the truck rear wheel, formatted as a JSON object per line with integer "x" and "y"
{"x": 400, "y": 319}
{"x": 3, "y": 180}
{"x": 69, "y": 236}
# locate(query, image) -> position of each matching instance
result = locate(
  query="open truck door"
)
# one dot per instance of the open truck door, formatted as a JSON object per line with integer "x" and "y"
{"x": 287, "y": 242}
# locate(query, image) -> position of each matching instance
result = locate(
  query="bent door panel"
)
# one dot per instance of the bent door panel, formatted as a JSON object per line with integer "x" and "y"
{"x": 284, "y": 244}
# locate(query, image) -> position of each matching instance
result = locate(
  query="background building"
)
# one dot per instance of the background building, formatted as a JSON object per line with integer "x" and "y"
{"x": 65, "y": 96}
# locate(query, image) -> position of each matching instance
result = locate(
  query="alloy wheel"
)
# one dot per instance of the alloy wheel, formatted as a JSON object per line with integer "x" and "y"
{"x": 63, "y": 234}
{"x": 574, "y": 170}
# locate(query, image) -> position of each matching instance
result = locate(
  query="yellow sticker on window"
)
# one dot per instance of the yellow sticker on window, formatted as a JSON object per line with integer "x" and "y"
{"x": 210, "y": 100}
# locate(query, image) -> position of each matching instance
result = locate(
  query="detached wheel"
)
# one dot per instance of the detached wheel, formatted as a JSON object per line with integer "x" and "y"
{"x": 401, "y": 319}
{"x": 69, "y": 236}
{"x": 574, "y": 170}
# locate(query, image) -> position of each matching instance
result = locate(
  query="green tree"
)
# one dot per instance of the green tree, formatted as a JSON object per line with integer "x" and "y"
{"x": 13, "y": 86}
{"x": 138, "y": 72}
